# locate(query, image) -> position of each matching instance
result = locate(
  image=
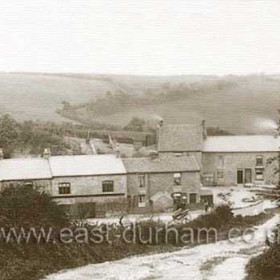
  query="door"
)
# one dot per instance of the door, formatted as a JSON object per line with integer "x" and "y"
{"x": 240, "y": 176}
{"x": 192, "y": 197}
{"x": 248, "y": 176}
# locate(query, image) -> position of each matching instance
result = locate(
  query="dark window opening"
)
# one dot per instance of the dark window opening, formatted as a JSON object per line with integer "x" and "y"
{"x": 64, "y": 188}
{"x": 259, "y": 161}
{"x": 108, "y": 186}
{"x": 239, "y": 176}
{"x": 141, "y": 180}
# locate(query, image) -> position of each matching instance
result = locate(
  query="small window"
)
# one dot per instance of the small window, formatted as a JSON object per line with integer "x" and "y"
{"x": 28, "y": 184}
{"x": 64, "y": 188}
{"x": 259, "y": 174}
{"x": 259, "y": 161}
{"x": 142, "y": 200}
{"x": 177, "y": 178}
{"x": 220, "y": 174}
{"x": 108, "y": 186}
{"x": 221, "y": 161}
{"x": 141, "y": 181}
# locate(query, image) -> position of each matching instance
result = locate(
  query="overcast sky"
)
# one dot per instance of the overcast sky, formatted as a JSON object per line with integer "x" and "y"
{"x": 152, "y": 37}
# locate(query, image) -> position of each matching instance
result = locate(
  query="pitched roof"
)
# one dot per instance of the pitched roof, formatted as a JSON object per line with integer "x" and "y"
{"x": 170, "y": 164}
{"x": 245, "y": 143}
{"x": 40, "y": 168}
{"x": 24, "y": 169}
{"x": 179, "y": 138}
{"x": 86, "y": 165}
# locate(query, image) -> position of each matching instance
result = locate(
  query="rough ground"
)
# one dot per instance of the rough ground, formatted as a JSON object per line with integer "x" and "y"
{"x": 221, "y": 261}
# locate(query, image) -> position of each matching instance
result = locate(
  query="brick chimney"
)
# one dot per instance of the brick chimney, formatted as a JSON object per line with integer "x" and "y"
{"x": 118, "y": 151}
{"x": 204, "y": 130}
{"x": 158, "y": 128}
{"x": 47, "y": 153}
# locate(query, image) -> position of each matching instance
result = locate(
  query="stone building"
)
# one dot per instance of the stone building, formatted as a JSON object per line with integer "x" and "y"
{"x": 240, "y": 160}
{"x": 152, "y": 180}
{"x": 185, "y": 158}
{"x": 28, "y": 171}
{"x": 93, "y": 180}
{"x": 223, "y": 160}
{"x": 181, "y": 139}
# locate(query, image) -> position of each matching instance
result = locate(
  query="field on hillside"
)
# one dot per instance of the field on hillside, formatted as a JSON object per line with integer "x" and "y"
{"x": 241, "y": 104}
{"x": 38, "y": 96}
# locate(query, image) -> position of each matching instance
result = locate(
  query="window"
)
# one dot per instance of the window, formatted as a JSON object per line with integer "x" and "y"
{"x": 142, "y": 200}
{"x": 221, "y": 161}
{"x": 108, "y": 186}
{"x": 259, "y": 174}
{"x": 64, "y": 188}
{"x": 259, "y": 161}
{"x": 177, "y": 178}
{"x": 192, "y": 197}
{"x": 141, "y": 181}
{"x": 220, "y": 174}
{"x": 28, "y": 184}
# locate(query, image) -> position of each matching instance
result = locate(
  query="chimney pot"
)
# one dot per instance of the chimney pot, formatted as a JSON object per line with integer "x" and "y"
{"x": 117, "y": 151}
{"x": 47, "y": 153}
{"x": 204, "y": 129}
{"x": 160, "y": 123}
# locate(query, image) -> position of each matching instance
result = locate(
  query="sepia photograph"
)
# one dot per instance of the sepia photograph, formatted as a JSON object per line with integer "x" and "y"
{"x": 140, "y": 140}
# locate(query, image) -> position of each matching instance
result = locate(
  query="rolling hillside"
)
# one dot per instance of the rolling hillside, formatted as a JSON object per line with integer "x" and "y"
{"x": 245, "y": 104}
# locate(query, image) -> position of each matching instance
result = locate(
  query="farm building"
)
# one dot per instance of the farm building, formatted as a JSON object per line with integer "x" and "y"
{"x": 152, "y": 181}
{"x": 96, "y": 180}
{"x": 224, "y": 160}
{"x": 240, "y": 160}
{"x": 185, "y": 159}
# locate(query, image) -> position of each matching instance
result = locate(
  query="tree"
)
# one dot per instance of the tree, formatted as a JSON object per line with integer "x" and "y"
{"x": 136, "y": 124}
{"x": 9, "y": 130}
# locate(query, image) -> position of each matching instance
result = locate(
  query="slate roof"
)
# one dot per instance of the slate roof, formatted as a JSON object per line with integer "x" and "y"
{"x": 245, "y": 143}
{"x": 59, "y": 166}
{"x": 86, "y": 165}
{"x": 159, "y": 165}
{"x": 24, "y": 169}
{"x": 179, "y": 138}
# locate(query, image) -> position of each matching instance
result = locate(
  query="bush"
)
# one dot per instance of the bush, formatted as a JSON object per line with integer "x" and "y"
{"x": 25, "y": 206}
{"x": 267, "y": 265}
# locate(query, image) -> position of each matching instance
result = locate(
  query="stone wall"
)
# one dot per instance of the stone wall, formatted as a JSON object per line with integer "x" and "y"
{"x": 229, "y": 163}
{"x": 45, "y": 185}
{"x": 162, "y": 182}
{"x": 90, "y": 185}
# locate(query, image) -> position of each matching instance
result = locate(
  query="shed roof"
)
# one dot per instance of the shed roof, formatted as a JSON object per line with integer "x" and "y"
{"x": 24, "y": 169}
{"x": 244, "y": 143}
{"x": 86, "y": 165}
{"x": 179, "y": 138}
{"x": 159, "y": 165}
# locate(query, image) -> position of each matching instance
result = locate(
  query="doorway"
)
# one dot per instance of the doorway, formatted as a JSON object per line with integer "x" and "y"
{"x": 192, "y": 197}
{"x": 239, "y": 176}
{"x": 248, "y": 176}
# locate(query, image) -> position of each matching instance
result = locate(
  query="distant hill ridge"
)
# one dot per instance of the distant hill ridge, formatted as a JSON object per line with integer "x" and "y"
{"x": 241, "y": 104}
